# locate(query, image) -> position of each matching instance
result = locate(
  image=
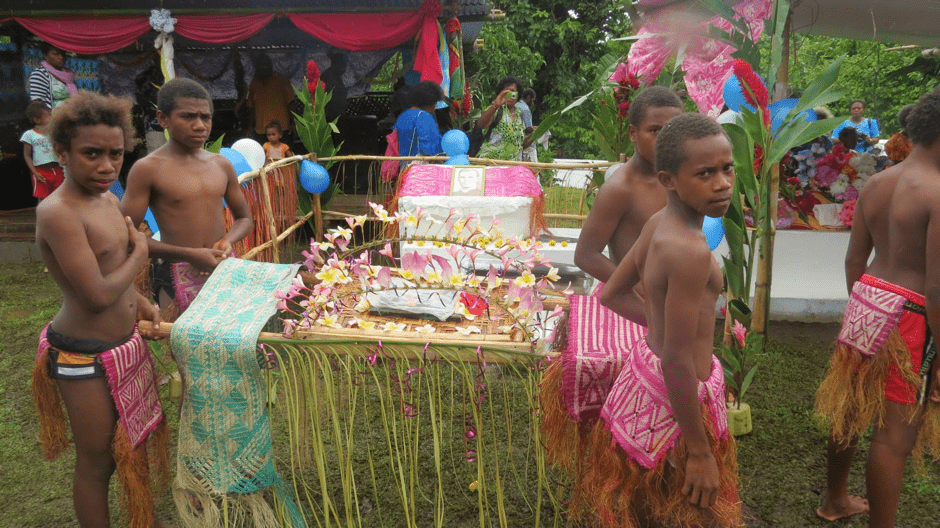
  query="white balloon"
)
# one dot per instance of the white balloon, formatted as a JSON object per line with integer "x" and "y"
{"x": 252, "y": 150}
{"x": 728, "y": 116}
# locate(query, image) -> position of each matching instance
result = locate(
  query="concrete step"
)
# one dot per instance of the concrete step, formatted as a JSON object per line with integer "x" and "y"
{"x": 18, "y": 225}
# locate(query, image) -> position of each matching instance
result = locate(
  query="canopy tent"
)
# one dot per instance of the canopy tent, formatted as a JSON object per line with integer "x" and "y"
{"x": 893, "y": 21}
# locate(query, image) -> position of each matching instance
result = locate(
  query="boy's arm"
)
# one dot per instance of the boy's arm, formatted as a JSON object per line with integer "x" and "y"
{"x": 686, "y": 283}
{"x": 135, "y": 203}
{"x": 860, "y": 247}
{"x": 932, "y": 288}
{"x": 65, "y": 235}
{"x": 598, "y": 229}
{"x": 241, "y": 211}
{"x": 619, "y": 294}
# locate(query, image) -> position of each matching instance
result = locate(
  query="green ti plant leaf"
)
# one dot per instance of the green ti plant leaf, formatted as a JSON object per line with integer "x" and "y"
{"x": 215, "y": 146}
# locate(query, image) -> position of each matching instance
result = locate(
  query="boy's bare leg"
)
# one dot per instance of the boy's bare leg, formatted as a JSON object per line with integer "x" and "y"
{"x": 891, "y": 444}
{"x": 93, "y": 416}
{"x": 838, "y": 503}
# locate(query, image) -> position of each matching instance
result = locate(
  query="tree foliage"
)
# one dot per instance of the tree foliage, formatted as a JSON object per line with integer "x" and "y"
{"x": 564, "y": 42}
{"x": 885, "y": 80}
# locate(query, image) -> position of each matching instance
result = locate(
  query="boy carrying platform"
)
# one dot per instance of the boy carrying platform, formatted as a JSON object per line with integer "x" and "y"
{"x": 185, "y": 185}
{"x": 91, "y": 356}
{"x": 598, "y": 340}
{"x": 662, "y": 452}
{"x": 883, "y": 370}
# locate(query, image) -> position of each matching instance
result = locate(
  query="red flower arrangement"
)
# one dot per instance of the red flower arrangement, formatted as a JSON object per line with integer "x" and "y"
{"x": 628, "y": 84}
{"x": 313, "y": 79}
{"x": 847, "y": 213}
{"x": 757, "y": 95}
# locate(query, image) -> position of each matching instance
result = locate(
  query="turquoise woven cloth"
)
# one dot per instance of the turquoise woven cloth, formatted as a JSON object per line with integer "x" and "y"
{"x": 225, "y": 432}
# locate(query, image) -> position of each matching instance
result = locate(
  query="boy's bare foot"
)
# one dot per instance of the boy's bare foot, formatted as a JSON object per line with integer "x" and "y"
{"x": 852, "y": 505}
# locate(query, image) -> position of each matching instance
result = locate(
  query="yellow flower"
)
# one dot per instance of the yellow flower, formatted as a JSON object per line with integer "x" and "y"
{"x": 434, "y": 276}
{"x": 463, "y": 312}
{"x": 473, "y": 281}
{"x": 330, "y": 276}
{"x": 393, "y": 327}
{"x": 329, "y": 320}
{"x": 553, "y": 275}
{"x": 406, "y": 274}
{"x": 411, "y": 219}
{"x": 363, "y": 325}
{"x": 342, "y": 232}
{"x": 456, "y": 281}
{"x": 564, "y": 243}
{"x": 552, "y": 242}
{"x": 526, "y": 280}
{"x": 363, "y": 304}
{"x": 420, "y": 243}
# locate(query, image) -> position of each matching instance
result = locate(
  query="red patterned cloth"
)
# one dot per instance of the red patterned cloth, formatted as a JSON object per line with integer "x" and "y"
{"x": 188, "y": 281}
{"x": 638, "y": 413}
{"x": 130, "y": 373}
{"x": 599, "y": 344}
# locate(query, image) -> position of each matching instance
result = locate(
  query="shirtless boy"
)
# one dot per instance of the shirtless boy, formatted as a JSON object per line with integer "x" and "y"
{"x": 633, "y": 193}
{"x": 887, "y": 380}
{"x": 684, "y": 442}
{"x": 92, "y": 349}
{"x": 184, "y": 186}
{"x": 574, "y": 389}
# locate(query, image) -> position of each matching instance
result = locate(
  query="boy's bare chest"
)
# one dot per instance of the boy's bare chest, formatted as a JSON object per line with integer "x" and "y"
{"x": 192, "y": 186}
{"x": 107, "y": 234}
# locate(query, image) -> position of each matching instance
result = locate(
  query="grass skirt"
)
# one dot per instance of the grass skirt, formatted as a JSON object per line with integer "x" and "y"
{"x": 618, "y": 491}
{"x": 133, "y": 464}
{"x": 851, "y": 397}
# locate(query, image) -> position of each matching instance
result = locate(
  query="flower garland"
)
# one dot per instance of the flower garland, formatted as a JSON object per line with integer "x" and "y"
{"x": 336, "y": 264}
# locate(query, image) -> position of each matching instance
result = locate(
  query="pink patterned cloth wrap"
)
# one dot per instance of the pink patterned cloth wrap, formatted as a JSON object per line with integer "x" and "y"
{"x": 130, "y": 373}
{"x": 707, "y": 63}
{"x": 188, "y": 283}
{"x": 638, "y": 413}
{"x": 599, "y": 344}
{"x": 874, "y": 309}
{"x": 434, "y": 180}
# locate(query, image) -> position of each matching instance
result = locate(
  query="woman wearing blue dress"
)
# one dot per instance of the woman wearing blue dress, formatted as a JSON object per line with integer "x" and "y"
{"x": 867, "y": 128}
{"x": 417, "y": 129}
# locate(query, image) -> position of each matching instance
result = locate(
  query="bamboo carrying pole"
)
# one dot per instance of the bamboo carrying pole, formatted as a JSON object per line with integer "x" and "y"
{"x": 363, "y": 346}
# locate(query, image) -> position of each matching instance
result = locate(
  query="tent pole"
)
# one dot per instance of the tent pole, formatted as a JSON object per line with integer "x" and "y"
{"x": 782, "y": 84}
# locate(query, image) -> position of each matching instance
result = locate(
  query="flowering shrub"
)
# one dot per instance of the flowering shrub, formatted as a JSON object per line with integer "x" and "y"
{"x": 346, "y": 273}
{"x": 611, "y": 119}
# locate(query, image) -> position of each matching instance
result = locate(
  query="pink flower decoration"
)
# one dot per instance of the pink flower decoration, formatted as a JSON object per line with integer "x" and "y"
{"x": 850, "y": 193}
{"x": 826, "y": 175}
{"x": 739, "y": 332}
{"x": 847, "y": 212}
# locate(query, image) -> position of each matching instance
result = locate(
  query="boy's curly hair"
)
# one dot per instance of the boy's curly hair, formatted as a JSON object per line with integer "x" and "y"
{"x": 35, "y": 110}
{"x": 90, "y": 109}
{"x": 652, "y": 97}
{"x": 670, "y": 142}
{"x": 180, "y": 88}
{"x": 923, "y": 123}
{"x": 275, "y": 124}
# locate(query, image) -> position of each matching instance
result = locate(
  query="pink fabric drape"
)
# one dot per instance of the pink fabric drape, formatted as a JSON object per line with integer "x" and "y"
{"x": 370, "y": 32}
{"x": 707, "y": 62}
{"x": 88, "y": 36}
{"x": 220, "y": 29}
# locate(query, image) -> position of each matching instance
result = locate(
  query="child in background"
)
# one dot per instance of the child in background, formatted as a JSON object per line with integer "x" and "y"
{"x": 38, "y": 153}
{"x": 274, "y": 149}
{"x": 91, "y": 356}
{"x": 672, "y": 460}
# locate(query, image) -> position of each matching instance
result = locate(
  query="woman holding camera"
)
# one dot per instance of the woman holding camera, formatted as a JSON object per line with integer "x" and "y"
{"x": 505, "y": 138}
{"x": 867, "y": 128}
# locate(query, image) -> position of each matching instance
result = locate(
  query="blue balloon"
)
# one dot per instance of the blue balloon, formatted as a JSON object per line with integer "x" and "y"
{"x": 459, "y": 159}
{"x": 780, "y": 109}
{"x": 734, "y": 94}
{"x": 313, "y": 177}
{"x": 455, "y": 142}
{"x": 152, "y": 222}
{"x": 714, "y": 231}
{"x": 238, "y": 160}
{"x": 117, "y": 190}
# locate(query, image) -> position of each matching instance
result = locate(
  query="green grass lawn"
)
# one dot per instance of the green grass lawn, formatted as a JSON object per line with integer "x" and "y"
{"x": 781, "y": 463}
